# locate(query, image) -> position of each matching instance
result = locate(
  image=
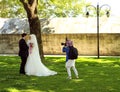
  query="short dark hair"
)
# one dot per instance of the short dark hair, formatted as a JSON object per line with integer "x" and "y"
{"x": 24, "y": 34}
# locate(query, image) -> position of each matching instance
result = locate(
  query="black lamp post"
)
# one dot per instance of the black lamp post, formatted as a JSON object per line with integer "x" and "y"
{"x": 97, "y": 9}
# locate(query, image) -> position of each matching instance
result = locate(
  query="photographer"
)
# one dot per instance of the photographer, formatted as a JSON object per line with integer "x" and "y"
{"x": 70, "y": 62}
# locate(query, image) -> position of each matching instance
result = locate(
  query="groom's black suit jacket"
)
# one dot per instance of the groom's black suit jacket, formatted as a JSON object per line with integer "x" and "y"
{"x": 23, "y": 48}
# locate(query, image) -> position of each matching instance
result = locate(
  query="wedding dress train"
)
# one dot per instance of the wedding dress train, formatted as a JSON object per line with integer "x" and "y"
{"x": 34, "y": 66}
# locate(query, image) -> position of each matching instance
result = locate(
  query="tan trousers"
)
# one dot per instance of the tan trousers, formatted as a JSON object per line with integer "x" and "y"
{"x": 71, "y": 63}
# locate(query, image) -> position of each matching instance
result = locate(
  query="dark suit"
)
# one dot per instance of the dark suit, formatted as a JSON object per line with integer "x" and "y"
{"x": 23, "y": 53}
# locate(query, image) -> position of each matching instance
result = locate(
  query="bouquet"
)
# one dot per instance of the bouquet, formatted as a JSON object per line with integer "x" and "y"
{"x": 31, "y": 46}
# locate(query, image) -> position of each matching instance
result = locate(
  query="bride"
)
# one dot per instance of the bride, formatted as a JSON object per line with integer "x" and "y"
{"x": 34, "y": 66}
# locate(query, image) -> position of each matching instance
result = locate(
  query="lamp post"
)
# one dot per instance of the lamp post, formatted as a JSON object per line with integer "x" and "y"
{"x": 97, "y": 9}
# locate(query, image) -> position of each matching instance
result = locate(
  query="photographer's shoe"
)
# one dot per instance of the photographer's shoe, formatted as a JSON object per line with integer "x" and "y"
{"x": 69, "y": 77}
{"x": 77, "y": 77}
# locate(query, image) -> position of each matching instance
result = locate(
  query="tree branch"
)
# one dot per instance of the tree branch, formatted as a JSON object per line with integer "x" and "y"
{"x": 33, "y": 5}
{"x": 25, "y": 4}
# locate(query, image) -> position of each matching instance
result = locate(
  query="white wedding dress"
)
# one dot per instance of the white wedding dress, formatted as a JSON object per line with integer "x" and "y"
{"x": 34, "y": 66}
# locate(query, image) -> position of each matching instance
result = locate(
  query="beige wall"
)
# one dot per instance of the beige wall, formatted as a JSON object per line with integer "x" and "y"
{"x": 86, "y": 43}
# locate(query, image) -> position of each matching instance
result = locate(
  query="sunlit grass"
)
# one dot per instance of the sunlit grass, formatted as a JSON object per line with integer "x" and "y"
{"x": 96, "y": 75}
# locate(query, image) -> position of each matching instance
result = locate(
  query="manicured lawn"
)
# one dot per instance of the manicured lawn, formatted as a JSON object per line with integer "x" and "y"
{"x": 96, "y": 75}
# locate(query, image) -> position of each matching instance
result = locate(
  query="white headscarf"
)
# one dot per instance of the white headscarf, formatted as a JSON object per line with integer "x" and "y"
{"x": 35, "y": 49}
{"x": 69, "y": 43}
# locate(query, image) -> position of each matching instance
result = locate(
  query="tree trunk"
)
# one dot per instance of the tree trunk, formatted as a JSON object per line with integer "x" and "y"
{"x": 35, "y": 28}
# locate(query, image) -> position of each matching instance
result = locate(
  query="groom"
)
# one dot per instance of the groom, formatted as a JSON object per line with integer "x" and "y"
{"x": 23, "y": 52}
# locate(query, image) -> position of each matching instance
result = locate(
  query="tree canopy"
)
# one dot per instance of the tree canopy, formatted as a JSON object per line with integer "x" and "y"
{"x": 46, "y": 8}
{"x": 11, "y": 9}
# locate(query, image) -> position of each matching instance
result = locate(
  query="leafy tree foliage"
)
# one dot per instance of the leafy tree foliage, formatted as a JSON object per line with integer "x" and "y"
{"x": 61, "y": 8}
{"x": 11, "y": 9}
{"x": 46, "y": 8}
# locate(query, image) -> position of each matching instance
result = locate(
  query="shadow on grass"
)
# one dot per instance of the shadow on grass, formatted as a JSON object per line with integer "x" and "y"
{"x": 96, "y": 75}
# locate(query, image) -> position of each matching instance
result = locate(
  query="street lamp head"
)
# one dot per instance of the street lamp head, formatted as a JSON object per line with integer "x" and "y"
{"x": 108, "y": 13}
{"x": 87, "y": 14}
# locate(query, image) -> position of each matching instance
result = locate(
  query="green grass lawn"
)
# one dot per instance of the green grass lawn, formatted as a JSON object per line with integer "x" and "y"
{"x": 96, "y": 75}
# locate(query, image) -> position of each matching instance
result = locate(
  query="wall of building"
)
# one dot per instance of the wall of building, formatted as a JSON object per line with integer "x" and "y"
{"x": 85, "y": 43}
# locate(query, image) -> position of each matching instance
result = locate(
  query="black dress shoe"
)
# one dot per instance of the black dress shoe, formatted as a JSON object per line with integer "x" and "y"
{"x": 22, "y": 73}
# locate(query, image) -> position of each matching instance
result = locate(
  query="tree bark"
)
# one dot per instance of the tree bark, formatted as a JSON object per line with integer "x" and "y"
{"x": 34, "y": 23}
